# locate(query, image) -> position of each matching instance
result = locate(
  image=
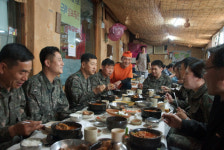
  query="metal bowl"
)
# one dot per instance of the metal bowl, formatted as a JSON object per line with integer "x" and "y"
{"x": 143, "y": 104}
{"x": 31, "y": 144}
{"x": 151, "y": 121}
{"x": 75, "y": 117}
{"x": 118, "y": 105}
{"x": 68, "y": 143}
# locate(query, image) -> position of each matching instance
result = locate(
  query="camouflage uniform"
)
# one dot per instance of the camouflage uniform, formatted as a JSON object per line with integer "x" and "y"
{"x": 78, "y": 91}
{"x": 12, "y": 105}
{"x": 99, "y": 79}
{"x": 200, "y": 106}
{"x": 46, "y": 101}
{"x": 182, "y": 98}
{"x": 152, "y": 83}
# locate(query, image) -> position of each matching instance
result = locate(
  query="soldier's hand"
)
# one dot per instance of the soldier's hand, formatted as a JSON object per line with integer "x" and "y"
{"x": 181, "y": 113}
{"x": 25, "y": 128}
{"x": 117, "y": 83}
{"x": 111, "y": 86}
{"x": 99, "y": 89}
{"x": 172, "y": 120}
{"x": 169, "y": 97}
{"x": 165, "y": 89}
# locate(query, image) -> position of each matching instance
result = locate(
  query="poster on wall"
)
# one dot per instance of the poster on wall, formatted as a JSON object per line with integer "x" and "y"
{"x": 70, "y": 12}
{"x": 179, "y": 55}
{"x": 71, "y": 50}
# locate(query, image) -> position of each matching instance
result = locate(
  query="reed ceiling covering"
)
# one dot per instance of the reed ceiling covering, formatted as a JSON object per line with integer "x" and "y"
{"x": 151, "y": 20}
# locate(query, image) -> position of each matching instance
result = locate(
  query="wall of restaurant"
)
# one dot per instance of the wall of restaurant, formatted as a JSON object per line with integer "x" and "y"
{"x": 195, "y": 52}
{"x": 102, "y": 41}
{"x": 40, "y": 16}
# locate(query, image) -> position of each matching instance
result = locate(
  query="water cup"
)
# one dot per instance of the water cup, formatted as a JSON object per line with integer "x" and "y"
{"x": 154, "y": 102}
{"x": 117, "y": 134}
{"x": 139, "y": 91}
{"x": 90, "y": 134}
{"x": 151, "y": 92}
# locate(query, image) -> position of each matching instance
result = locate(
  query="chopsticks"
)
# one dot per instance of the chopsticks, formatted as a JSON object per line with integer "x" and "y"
{"x": 175, "y": 98}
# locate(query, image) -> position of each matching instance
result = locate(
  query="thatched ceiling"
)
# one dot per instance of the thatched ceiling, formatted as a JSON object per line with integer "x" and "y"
{"x": 151, "y": 19}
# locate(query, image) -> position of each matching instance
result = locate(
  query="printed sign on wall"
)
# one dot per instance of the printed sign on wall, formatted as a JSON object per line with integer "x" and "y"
{"x": 70, "y": 12}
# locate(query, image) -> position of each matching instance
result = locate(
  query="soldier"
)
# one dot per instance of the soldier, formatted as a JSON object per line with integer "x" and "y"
{"x": 103, "y": 77}
{"x": 211, "y": 134}
{"x": 15, "y": 67}
{"x": 122, "y": 74}
{"x": 156, "y": 79}
{"x": 45, "y": 96}
{"x": 78, "y": 87}
{"x": 200, "y": 104}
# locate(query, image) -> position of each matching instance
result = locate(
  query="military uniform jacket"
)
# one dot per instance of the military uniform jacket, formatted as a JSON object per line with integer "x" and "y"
{"x": 99, "y": 79}
{"x": 78, "y": 91}
{"x": 152, "y": 83}
{"x": 46, "y": 101}
{"x": 200, "y": 104}
{"x": 182, "y": 98}
{"x": 212, "y": 133}
{"x": 12, "y": 105}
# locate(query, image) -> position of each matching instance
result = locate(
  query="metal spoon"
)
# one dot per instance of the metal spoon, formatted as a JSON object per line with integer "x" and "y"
{"x": 175, "y": 98}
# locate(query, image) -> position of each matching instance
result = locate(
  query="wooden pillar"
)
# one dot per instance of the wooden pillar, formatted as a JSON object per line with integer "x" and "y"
{"x": 40, "y": 27}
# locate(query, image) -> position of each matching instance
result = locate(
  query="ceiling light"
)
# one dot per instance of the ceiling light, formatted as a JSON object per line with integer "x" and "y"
{"x": 177, "y": 21}
{"x": 171, "y": 37}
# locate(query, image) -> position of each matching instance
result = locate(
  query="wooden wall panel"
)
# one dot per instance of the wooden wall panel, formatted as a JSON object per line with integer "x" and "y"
{"x": 41, "y": 27}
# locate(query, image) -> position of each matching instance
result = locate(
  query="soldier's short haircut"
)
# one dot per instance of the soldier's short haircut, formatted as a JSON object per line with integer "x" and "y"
{"x": 197, "y": 66}
{"x": 187, "y": 61}
{"x": 218, "y": 56}
{"x": 158, "y": 63}
{"x": 177, "y": 65}
{"x": 14, "y": 52}
{"x": 47, "y": 52}
{"x": 87, "y": 56}
{"x": 108, "y": 62}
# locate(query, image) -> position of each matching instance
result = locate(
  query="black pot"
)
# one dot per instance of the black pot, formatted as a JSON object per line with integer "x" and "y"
{"x": 108, "y": 97}
{"x": 116, "y": 122}
{"x": 97, "y": 106}
{"x": 119, "y": 92}
{"x": 146, "y": 114}
{"x": 67, "y": 134}
{"x": 146, "y": 142}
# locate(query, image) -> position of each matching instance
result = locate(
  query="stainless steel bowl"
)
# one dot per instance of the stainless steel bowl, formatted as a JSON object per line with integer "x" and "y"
{"x": 68, "y": 143}
{"x": 143, "y": 104}
{"x": 151, "y": 121}
{"x": 118, "y": 105}
{"x": 31, "y": 144}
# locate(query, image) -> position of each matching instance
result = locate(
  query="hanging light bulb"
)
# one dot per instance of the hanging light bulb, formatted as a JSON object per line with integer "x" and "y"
{"x": 137, "y": 36}
{"x": 187, "y": 24}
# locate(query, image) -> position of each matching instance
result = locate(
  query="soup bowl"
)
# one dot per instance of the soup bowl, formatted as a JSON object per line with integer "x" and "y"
{"x": 145, "y": 138}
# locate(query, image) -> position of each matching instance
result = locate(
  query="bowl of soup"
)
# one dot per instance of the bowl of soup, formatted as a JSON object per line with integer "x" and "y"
{"x": 151, "y": 112}
{"x": 97, "y": 106}
{"x": 67, "y": 130}
{"x": 145, "y": 138}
